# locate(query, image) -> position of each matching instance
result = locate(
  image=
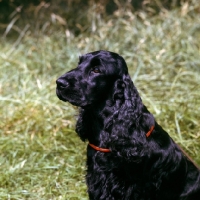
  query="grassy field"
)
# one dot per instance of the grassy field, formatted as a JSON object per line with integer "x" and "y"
{"x": 40, "y": 155}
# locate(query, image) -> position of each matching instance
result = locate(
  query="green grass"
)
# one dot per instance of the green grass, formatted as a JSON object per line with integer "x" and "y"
{"x": 40, "y": 155}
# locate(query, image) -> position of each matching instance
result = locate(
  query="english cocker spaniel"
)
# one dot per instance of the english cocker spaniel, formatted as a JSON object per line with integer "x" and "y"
{"x": 129, "y": 155}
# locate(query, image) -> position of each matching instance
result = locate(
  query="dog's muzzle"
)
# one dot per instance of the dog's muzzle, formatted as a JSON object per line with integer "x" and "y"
{"x": 62, "y": 85}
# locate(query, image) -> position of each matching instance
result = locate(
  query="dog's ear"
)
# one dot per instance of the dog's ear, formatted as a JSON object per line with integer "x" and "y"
{"x": 118, "y": 92}
{"x": 133, "y": 99}
{"x": 131, "y": 95}
{"x": 125, "y": 92}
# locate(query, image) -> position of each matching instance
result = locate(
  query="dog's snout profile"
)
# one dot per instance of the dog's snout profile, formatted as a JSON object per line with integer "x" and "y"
{"x": 62, "y": 83}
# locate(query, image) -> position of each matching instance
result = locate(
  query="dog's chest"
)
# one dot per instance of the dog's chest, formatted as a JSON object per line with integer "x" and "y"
{"x": 107, "y": 178}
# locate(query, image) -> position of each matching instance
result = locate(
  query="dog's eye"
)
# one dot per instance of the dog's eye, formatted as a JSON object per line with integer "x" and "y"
{"x": 96, "y": 70}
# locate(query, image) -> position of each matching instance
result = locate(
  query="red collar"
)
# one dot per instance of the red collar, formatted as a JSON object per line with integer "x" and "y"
{"x": 99, "y": 149}
{"x": 150, "y": 131}
{"x": 108, "y": 150}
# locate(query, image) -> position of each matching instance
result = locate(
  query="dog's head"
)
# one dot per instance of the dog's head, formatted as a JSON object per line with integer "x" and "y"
{"x": 94, "y": 79}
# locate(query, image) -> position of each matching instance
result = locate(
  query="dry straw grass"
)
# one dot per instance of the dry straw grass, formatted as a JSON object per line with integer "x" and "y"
{"x": 40, "y": 155}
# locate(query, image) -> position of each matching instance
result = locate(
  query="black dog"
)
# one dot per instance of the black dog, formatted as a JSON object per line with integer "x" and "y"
{"x": 129, "y": 156}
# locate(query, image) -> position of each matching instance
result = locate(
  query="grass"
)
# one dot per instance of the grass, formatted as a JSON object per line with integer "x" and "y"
{"x": 40, "y": 155}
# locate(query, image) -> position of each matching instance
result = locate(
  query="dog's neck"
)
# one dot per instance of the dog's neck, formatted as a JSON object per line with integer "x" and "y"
{"x": 102, "y": 115}
{"x": 99, "y": 115}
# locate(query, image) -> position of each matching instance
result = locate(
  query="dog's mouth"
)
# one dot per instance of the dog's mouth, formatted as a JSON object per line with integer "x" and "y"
{"x": 72, "y": 98}
{"x": 59, "y": 95}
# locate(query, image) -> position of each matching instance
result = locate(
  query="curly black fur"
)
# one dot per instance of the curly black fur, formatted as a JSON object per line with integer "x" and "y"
{"x": 113, "y": 116}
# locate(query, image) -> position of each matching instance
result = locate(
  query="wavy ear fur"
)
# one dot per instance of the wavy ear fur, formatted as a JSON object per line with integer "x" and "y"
{"x": 131, "y": 123}
{"x": 131, "y": 95}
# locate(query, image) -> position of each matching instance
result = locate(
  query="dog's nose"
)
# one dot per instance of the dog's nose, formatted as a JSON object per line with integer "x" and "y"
{"x": 62, "y": 83}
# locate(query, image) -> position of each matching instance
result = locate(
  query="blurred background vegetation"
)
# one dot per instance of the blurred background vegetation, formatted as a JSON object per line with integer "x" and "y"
{"x": 40, "y": 155}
